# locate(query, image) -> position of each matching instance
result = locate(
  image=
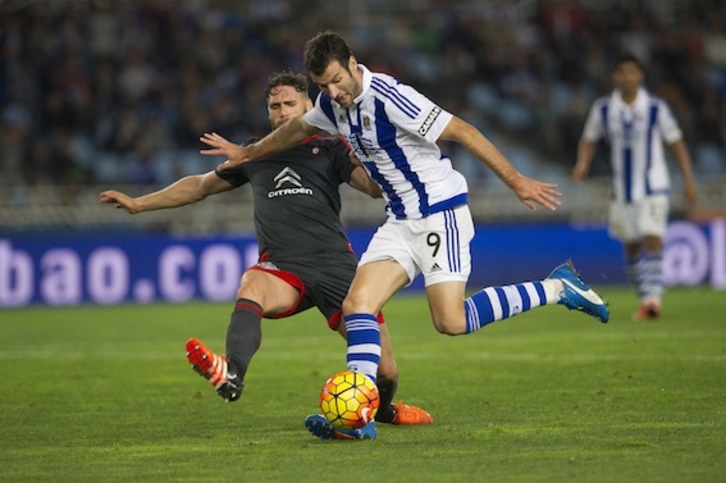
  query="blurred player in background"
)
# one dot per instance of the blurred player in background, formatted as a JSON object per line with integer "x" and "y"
{"x": 393, "y": 130}
{"x": 636, "y": 125}
{"x": 305, "y": 257}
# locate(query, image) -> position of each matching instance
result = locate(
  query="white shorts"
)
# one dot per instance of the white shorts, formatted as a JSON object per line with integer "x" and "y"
{"x": 630, "y": 222}
{"x": 437, "y": 246}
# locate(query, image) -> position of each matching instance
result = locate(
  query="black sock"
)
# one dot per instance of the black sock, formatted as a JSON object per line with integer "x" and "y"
{"x": 386, "y": 391}
{"x": 244, "y": 335}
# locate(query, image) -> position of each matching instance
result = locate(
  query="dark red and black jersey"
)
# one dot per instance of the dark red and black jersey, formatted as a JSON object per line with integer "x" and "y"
{"x": 296, "y": 197}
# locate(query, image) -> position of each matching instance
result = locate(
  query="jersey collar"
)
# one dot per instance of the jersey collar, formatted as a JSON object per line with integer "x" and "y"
{"x": 367, "y": 76}
{"x": 641, "y": 99}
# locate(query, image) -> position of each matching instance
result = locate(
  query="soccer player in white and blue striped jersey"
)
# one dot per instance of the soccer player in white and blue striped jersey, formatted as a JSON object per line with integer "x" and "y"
{"x": 393, "y": 130}
{"x": 636, "y": 125}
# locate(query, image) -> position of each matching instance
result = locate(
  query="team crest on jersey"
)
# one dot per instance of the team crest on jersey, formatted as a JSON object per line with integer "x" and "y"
{"x": 367, "y": 122}
{"x": 288, "y": 182}
{"x": 315, "y": 150}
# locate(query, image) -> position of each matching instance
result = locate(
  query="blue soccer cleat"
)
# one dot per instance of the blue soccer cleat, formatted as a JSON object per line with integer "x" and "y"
{"x": 323, "y": 429}
{"x": 577, "y": 295}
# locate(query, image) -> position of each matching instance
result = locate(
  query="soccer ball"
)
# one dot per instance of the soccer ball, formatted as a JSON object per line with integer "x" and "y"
{"x": 349, "y": 400}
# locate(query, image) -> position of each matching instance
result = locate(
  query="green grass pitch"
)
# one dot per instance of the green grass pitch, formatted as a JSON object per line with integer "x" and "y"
{"x": 105, "y": 394}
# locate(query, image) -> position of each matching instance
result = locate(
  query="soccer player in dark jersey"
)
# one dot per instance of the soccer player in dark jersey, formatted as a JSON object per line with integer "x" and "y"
{"x": 296, "y": 198}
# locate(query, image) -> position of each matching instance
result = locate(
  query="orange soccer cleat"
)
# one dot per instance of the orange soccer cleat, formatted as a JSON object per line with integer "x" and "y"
{"x": 215, "y": 369}
{"x": 647, "y": 311}
{"x": 407, "y": 415}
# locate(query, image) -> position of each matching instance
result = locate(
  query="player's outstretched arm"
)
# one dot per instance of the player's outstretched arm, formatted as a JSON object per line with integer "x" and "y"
{"x": 287, "y": 136}
{"x": 190, "y": 189}
{"x": 530, "y": 191}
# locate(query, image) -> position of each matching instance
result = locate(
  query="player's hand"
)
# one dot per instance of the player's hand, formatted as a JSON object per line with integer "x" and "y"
{"x": 234, "y": 153}
{"x": 532, "y": 193}
{"x": 121, "y": 200}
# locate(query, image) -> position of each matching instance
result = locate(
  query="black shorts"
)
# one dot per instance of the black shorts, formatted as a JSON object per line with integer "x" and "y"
{"x": 322, "y": 281}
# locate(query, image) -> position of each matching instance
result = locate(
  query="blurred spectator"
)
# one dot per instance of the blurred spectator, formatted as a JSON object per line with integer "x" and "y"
{"x": 134, "y": 82}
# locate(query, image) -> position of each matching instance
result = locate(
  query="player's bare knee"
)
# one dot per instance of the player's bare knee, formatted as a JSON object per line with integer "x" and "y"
{"x": 354, "y": 304}
{"x": 450, "y": 326}
{"x": 251, "y": 292}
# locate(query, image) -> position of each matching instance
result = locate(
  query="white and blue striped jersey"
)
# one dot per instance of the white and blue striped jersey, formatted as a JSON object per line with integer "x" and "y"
{"x": 636, "y": 133}
{"x": 393, "y": 130}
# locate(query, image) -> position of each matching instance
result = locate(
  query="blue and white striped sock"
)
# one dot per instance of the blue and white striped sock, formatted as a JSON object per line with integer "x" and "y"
{"x": 632, "y": 270}
{"x": 364, "y": 343}
{"x": 651, "y": 276}
{"x": 497, "y": 303}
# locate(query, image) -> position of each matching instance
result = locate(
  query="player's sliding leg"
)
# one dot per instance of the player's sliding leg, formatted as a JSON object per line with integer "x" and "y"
{"x": 390, "y": 412}
{"x": 387, "y": 381}
{"x": 226, "y": 373}
{"x": 258, "y": 289}
{"x": 215, "y": 368}
{"x": 244, "y": 335}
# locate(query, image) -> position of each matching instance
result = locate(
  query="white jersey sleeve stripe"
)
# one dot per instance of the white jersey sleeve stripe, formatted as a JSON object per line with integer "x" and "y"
{"x": 396, "y": 102}
{"x": 394, "y": 93}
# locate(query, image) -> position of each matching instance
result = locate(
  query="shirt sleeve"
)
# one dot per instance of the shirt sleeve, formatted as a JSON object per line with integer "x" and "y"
{"x": 594, "y": 128}
{"x": 321, "y": 115}
{"x": 668, "y": 125}
{"x": 236, "y": 176}
{"x": 342, "y": 164}
{"x": 413, "y": 112}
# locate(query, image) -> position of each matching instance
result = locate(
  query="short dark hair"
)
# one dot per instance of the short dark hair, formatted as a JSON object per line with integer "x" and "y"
{"x": 627, "y": 57}
{"x": 324, "y": 49}
{"x": 290, "y": 78}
